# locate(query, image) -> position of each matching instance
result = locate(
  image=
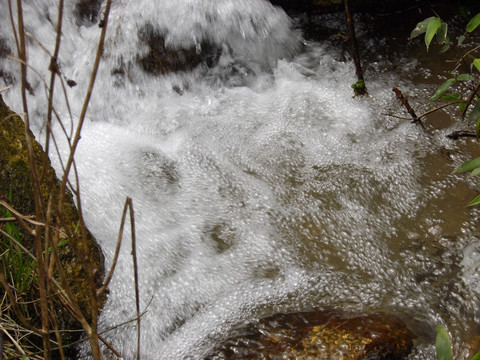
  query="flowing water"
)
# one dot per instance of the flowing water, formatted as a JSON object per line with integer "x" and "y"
{"x": 259, "y": 184}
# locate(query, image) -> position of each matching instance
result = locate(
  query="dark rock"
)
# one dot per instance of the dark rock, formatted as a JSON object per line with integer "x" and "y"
{"x": 323, "y": 334}
{"x": 324, "y": 6}
{"x": 7, "y": 77}
{"x": 86, "y": 12}
{"x": 162, "y": 59}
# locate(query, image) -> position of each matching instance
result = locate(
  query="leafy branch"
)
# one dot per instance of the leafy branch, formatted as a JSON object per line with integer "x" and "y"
{"x": 436, "y": 29}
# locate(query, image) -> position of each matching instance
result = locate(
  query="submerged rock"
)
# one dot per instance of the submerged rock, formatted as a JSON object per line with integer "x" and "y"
{"x": 15, "y": 182}
{"x": 163, "y": 59}
{"x": 322, "y": 334}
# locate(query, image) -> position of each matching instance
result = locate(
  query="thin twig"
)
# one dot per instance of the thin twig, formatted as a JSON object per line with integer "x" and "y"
{"x": 360, "y": 89}
{"x": 92, "y": 329}
{"x": 54, "y": 71}
{"x": 57, "y": 333}
{"x": 43, "y": 288}
{"x": 104, "y": 287}
{"x": 110, "y": 346}
{"x": 462, "y": 133}
{"x": 135, "y": 268}
{"x": 471, "y": 98}
{"x": 15, "y": 343}
{"x": 12, "y": 23}
{"x": 15, "y": 307}
{"x": 82, "y": 340}
{"x": 462, "y": 58}
{"x": 23, "y": 219}
{"x": 87, "y": 98}
{"x": 407, "y": 106}
{"x": 19, "y": 244}
{"x": 428, "y": 112}
{"x": 5, "y": 89}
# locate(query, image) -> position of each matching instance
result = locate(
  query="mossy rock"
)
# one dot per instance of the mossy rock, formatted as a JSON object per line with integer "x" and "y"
{"x": 16, "y": 184}
{"x": 321, "y": 334}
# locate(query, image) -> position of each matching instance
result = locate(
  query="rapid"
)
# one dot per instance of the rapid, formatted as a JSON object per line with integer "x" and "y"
{"x": 259, "y": 184}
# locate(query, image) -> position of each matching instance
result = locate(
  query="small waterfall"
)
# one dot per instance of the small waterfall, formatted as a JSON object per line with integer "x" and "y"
{"x": 259, "y": 184}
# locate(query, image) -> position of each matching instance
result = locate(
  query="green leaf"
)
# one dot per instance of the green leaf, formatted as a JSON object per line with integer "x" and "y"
{"x": 472, "y": 24}
{"x": 444, "y": 87}
{"x": 474, "y": 172}
{"x": 477, "y": 129}
{"x": 462, "y": 106}
{"x": 476, "y": 356}
{"x": 432, "y": 29}
{"x": 420, "y": 28}
{"x": 442, "y": 33}
{"x": 474, "y": 202}
{"x": 475, "y": 115}
{"x": 442, "y": 343}
{"x": 465, "y": 77}
{"x": 476, "y": 63}
{"x": 461, "y": 39}
{"x": 444, "y": 48}
{"x": 451, "y": 97}
{"x": 469, "y": 165}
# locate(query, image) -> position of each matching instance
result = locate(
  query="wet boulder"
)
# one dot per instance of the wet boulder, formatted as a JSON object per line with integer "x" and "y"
{"x": 322, "y": 334}
{"x": 161, "y": 58}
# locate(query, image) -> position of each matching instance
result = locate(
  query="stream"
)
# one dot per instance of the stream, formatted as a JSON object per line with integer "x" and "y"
{"x": 259, "y": 184}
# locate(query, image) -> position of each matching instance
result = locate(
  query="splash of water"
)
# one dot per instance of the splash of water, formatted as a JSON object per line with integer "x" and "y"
{"x": 259, "y": 184}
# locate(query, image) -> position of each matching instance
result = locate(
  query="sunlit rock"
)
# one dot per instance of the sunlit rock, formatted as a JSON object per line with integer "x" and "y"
{"x": 321, "y": 335}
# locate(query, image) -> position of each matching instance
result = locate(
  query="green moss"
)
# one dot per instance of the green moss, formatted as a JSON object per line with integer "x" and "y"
{"x": 15, "y": 176}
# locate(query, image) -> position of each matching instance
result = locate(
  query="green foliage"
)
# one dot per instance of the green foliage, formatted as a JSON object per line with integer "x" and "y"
{"x": 443, "y": 88}
{"x": 421, "y": 28}
{"x": 19, "y": 268}
{"x": 476, "y": 63}
{"x": 435, "y": 28}
{"x": 476, "y": 356}
{"x": 469, "y": 166}
{"x": 359, "y": 87}
{"x": 475, "y": 116}
{"x": 473, "y": 166}
{"x": 473, "y": 24}
{"x": 442, "y": 344}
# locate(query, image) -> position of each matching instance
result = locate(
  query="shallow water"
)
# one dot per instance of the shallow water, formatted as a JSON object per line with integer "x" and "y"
{"x": 259, "y": 184}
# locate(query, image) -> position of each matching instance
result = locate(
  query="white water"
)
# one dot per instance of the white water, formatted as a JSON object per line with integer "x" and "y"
{"x": 259, "y": 185}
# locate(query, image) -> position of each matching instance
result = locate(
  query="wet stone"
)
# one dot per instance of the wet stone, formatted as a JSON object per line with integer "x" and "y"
{"x": 322, "y": 334}
{"x": 86, "y": 12}
{"x": 162, "y": 59}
